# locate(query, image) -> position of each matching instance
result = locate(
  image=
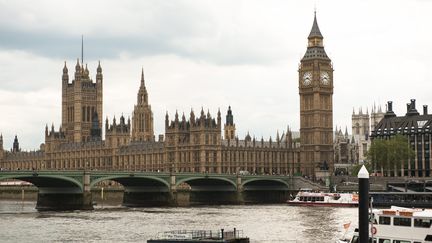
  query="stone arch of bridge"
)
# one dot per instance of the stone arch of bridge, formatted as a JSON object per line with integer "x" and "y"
{"x": 48, "y": 181}
{"x": 133, "y": 181}
{"x": 200, "y": 181}
{"x": 267, "y": 182}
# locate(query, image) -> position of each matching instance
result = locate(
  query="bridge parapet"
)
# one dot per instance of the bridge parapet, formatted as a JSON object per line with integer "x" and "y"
{"x": 156, "y": 188}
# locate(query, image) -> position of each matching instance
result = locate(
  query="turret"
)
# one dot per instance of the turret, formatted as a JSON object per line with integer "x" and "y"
{"x": 176, "y": 118}
{"x": 219, "y": 118}
{"x": 229, "y": 128}
{"x": 142, "y": 98}
{"x": 99, "y": 76}
{"x": 15, "y": 147}
{"x": 65, "y": 76}
{"x": 202, "y": 113}
{"x": 1, "y": 147}
{"x": 166, "y": 120}
{"x": 106, "y": 125}
{"x": 192, "y": 117}
{"x": 118, "y": 134}
{"x": 77, "y": 71}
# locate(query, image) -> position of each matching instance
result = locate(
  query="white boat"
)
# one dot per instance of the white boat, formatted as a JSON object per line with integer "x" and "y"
{"x": 399, "y": 225}
{"x": 322, "y": 199}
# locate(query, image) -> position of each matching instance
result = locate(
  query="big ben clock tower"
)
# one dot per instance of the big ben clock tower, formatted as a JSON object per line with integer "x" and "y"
{"x": 316, "y": 105}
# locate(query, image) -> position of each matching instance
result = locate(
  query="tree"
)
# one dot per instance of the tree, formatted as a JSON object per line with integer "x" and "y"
{"x": 390, "y": 154}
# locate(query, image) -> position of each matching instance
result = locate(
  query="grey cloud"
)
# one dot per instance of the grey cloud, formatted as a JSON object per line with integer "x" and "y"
{"x": 186, "y": 29}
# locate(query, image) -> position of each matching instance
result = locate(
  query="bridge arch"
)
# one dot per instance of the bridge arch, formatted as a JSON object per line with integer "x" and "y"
{"x": 47, "y": 181}
{"x": 139, "y": 190}
{"x": 267, "y": 182}
{"x": 265, "y": 190}
{"x": 127, "y": 180}
{"x": 207, "y": 181}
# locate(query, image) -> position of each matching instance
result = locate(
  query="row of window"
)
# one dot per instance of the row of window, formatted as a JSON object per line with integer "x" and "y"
{"x": 382, "y": 240}
{"x": 400, "y": 221}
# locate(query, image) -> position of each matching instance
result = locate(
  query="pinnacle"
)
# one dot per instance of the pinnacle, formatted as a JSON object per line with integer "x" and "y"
{"x": 315, "y": 31}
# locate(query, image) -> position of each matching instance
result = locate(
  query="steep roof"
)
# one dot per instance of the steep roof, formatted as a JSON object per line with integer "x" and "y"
{"x": 315, "y": 31}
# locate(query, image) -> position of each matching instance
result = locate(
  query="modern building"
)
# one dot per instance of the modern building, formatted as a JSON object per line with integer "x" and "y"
{"x": 417, "y": 128}
{"x": 193, "y": 144}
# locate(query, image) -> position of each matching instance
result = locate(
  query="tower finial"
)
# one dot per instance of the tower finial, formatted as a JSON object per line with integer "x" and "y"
{"x": 142, "y": 76}
{"x": 315, "y": 31}
{"x": 82, "y": 49}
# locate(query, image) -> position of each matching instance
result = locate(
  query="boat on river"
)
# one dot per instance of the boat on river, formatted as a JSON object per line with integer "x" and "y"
{"x": 400, "y": 225}
{"x": 200, "y": 236}
{"x": 323, "y": 199}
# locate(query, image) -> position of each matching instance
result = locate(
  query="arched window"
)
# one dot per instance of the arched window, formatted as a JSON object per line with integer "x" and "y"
{"x": 88, "y": 113}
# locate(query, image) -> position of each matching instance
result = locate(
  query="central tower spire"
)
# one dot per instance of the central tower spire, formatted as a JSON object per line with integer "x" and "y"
{"x": 82, "y": 50}
{"x": 142, "y": 78}
{"x": 142, "y": 117}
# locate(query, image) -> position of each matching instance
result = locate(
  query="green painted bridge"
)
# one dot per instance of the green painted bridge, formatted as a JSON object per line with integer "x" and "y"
{"x": 69, "y": 190}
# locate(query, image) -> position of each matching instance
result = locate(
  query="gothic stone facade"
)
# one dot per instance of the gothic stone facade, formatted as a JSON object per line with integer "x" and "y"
{"x": 316, "y": 105}
{"x": 362, "y": 124}
{"x": 193, "y": 144}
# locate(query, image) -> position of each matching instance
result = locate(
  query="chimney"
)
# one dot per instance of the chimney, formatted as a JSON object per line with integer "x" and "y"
{"x": 425, "y": 109}
{"x": 413, "y": 104}
{"x": 389, "y": 106}
{"x": 408, "y": 107}
{"x": 389, "y": 112}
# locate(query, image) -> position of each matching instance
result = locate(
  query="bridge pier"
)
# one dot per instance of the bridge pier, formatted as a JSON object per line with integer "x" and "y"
{"x": 133, "y": 198}
{"x": 63, "y": 201}
{"x": 265, "y": 196}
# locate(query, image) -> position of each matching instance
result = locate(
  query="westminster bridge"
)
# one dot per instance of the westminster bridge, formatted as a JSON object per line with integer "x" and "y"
{"x": 70, "y": 190}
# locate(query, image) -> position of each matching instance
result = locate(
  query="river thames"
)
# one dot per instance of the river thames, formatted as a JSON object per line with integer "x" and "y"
{"x": 20, "y": 222}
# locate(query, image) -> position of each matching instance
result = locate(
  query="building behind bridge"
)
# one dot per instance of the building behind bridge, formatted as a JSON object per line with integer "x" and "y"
{"x": 193, "y": 144}
{"x": 189, "y": 145}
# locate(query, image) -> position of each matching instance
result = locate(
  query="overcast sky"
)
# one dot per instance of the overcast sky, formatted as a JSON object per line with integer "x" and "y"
{"x": 210, "y": 54}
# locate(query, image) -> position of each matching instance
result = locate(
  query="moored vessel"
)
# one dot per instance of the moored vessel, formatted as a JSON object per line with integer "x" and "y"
{"x": 200, "y": 236}
{"x": 399, "y": 225}
{"x": 322, "y": 199}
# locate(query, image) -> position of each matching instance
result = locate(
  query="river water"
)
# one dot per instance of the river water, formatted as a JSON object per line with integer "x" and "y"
{"x": 20, "y": 222}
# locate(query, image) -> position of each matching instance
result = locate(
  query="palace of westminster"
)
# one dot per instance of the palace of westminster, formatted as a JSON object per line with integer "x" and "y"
{"x": 196, "y": 143}
{"x": 193, "y": 144}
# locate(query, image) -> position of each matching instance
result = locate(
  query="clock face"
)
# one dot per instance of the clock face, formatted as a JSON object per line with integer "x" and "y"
{"x": 325, "y": 78}
{"x": 307, "y": 78}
